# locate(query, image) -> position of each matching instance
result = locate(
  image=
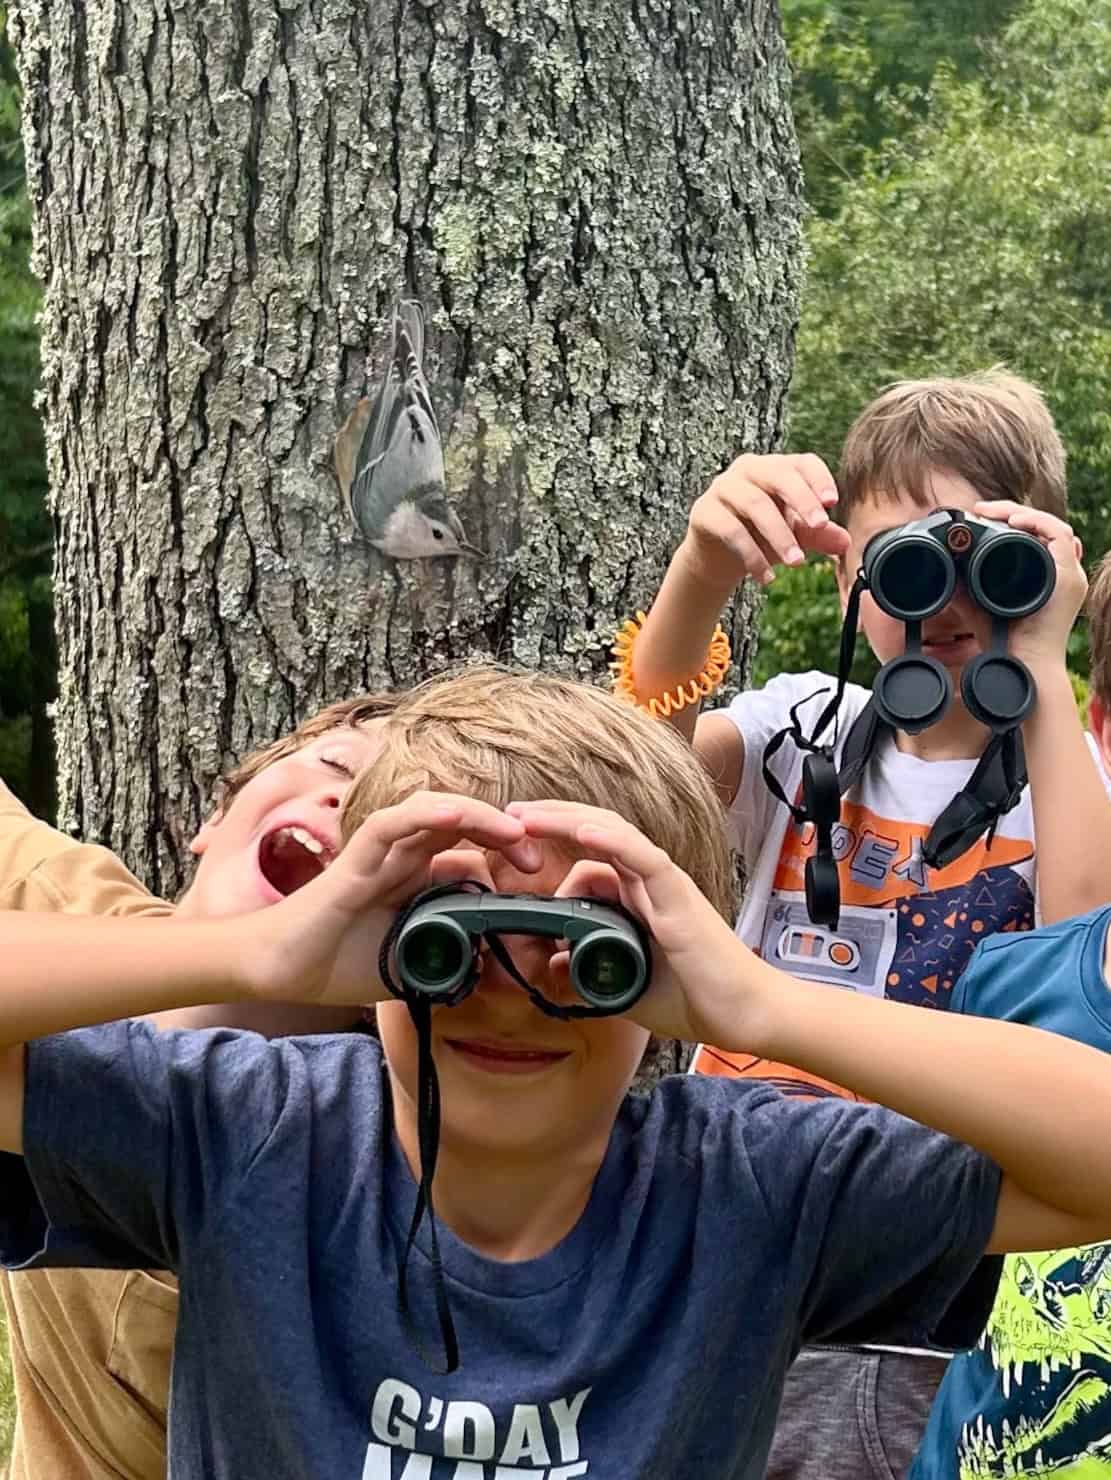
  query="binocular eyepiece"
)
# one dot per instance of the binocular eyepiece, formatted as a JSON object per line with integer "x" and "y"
{"x": 437, "y": 947}
{"x": 912, "y": 571}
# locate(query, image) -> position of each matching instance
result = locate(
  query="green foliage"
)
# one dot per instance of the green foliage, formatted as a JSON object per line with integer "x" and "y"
{"x": 860, "y": 65}
{"x": 26, "y": 650}
{"x": 801, "y": 627}
{"x": 976, "y": 230}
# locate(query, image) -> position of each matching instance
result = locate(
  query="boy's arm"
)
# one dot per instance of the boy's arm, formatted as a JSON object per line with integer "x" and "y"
{"x": 319, "y": 945}
{"x": 1034, "y": 1102}
{"x": 1072, "y": 812}
{"x": 761, "y": 511}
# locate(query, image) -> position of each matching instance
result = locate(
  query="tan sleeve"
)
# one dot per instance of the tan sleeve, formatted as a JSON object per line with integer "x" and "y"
{"x": 42, "y": 869}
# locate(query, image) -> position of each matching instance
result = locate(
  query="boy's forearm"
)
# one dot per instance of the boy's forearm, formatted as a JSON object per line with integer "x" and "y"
{"x": 1072, "y": 812}
{"x": 1033, "y": 1101}
{"x": 672, "y": 647}
{"x": 68, "y": 971}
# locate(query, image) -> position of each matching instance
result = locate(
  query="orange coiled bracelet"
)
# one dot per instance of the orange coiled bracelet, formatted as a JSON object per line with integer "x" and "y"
{"x": 693, "y": 691}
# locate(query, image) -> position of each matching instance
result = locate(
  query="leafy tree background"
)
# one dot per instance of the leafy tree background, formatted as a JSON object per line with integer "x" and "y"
{"x": 26, "y": 625}
{"x": 957, "y": 167}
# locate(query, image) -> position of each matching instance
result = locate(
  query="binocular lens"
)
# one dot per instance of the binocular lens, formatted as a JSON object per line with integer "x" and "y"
{"x": 1013, "y": 577}
{"x": 606, "y": 968}
{"x": 434, "y": 955}
{"x": 914, "y": 580}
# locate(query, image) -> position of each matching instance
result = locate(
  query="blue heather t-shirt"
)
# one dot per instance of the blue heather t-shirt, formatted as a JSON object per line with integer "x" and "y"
{"x": 726, "y": 1225}
{"x": 1034, "y": 1399}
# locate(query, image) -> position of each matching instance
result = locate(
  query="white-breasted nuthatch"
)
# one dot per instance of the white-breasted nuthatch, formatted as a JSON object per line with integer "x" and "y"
{"x": 390, "y": 460}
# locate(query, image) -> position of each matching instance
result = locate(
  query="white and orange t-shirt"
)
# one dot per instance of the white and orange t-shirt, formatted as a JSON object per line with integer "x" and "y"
{"x": 906, "y": 931}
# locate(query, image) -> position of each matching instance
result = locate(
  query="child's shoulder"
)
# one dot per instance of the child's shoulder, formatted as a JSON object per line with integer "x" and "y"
{"x": 1051, "y": 977}
{"x": 1017, "y": 947}
{"x": 770, "y": 705}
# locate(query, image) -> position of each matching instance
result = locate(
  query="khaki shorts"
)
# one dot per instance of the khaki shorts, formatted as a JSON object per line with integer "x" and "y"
{"x": 91, "y": 1352}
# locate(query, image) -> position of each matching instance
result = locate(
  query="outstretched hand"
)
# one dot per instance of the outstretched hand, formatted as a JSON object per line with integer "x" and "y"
{"x": 322, "y": 943}
{"x": 1043, "y": 637}
{"x": 763, "y": 511}
{"x": 697, "y": 961}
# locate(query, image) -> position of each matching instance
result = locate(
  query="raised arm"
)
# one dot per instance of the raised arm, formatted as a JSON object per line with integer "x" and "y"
{"x": 319, "y": 945}
{"x": 1072, "y": 811}
{"x": 761, "y": 512}
{"x": 1034, "y": 1102}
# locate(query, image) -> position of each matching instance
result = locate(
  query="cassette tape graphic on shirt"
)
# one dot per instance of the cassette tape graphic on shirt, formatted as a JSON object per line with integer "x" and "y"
{"x": 855, "y": 956}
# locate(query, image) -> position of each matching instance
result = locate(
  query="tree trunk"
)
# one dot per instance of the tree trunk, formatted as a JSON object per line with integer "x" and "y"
{"x": 597, "y": 203}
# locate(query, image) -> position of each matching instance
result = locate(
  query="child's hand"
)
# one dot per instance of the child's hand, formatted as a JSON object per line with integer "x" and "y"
{"x": 1042, "y": 638}
{"x": 697, "y": 962}
{"x": 322, "y": 943}
{"x": 761, "y": 512}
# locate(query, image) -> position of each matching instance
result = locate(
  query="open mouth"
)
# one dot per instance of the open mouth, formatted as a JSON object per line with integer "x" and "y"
{"x": 291, "y": 857}
{"x": 949, "y": 643}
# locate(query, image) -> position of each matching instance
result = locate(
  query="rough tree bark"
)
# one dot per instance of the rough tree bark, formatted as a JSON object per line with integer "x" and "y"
{"x": 597, "y": 202}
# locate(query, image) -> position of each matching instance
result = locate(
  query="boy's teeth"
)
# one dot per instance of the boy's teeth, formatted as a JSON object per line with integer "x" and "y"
{"x": 299, "y": 835}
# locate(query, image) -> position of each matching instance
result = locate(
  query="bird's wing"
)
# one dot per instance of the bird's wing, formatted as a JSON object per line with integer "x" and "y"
{"x": 400, "y": 452}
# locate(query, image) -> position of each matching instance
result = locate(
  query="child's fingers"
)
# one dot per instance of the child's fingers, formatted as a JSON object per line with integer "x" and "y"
{"x": 607, "y": 838}
{"x": 1037, "y": 522}
{"x": 428, "y": 823}
{"x": 791, "y": 481}
{"x": 818, "y": 476}
{"x": 456, "y": 864}
{"x": 757, "y": 512}
{"x": 715, "y": 520}
{"x": 590, "y": 879}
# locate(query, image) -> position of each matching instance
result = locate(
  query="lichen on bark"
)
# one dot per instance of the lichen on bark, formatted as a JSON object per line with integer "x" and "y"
{"x": 598, "y": 203}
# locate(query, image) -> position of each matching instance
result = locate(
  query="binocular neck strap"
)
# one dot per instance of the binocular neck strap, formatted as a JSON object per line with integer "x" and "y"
{"x": 992, "y": 790}
{"x": 428, "y": 1141}
{"x": 812, "y": 742}
{"x": 428, "y": 1148}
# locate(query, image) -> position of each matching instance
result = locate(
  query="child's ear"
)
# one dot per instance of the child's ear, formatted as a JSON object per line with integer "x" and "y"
{"x": 199, "y": 845}
{"x": 843, "y": 579}
{"x": 1099, "y": 723}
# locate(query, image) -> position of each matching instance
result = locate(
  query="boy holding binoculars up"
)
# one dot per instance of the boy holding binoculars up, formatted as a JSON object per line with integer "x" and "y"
{"x": 926, "y": 853}
{"x": 628, "y": 1277}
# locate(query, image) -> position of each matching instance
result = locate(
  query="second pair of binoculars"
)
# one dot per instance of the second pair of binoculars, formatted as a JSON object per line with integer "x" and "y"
{"x": 438, "y": 945}
{"x": 912, "y": 572}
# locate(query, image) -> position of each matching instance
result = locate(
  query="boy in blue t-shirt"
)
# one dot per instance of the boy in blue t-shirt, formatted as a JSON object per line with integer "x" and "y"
{"x": 629, "y": 1277}
{"x": 1034, "y": 1398}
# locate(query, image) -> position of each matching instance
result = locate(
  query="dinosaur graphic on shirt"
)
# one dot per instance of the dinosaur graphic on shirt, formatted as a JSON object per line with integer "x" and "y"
{"x": 1052, "y": 1316}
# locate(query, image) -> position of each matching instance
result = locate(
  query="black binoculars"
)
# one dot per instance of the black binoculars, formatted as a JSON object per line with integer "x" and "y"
{"x": 912, "y": 572}
{"x": 437, "y": 947}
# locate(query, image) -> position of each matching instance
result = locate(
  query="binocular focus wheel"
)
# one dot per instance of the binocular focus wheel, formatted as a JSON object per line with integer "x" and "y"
{"x": 912, "y": 692}
{"x": 823, "y": 891}
{"x": 997, "y": 690}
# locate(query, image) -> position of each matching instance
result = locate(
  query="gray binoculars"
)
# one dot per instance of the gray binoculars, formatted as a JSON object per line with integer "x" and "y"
{"x": 912, "y": 571}
{"x": 436, "y": 950}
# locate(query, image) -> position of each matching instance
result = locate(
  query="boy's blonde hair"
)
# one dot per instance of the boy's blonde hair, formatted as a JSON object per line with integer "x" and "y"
{"x": 1098, "y": 608}
{"x": 501, "y": 736}
{"x": 343, "y": 713}
{"x": 993, "y": 429}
